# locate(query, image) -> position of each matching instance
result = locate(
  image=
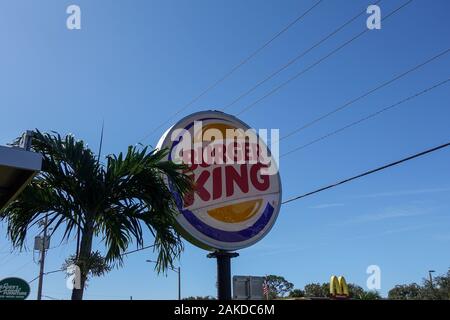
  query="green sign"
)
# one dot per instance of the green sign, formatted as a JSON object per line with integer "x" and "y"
{"x": 14, "y": 289}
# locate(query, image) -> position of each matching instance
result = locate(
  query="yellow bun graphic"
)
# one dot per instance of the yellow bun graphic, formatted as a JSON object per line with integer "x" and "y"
{"x": 219, "y": 127}
{"x": 237, "y": 212}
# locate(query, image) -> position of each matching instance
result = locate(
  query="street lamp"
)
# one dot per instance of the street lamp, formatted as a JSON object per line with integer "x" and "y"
{"x": 431, "y": 277}
{"x": 176, "y": 270}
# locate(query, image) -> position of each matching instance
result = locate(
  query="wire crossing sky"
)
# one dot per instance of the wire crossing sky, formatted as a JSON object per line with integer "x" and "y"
{"x": 229, "y": 73}
{"x": 295, "y": 59}
{"x": 350, "y": 102}
{"x": 277, "y": 88}
{"x": 445, "y": 145}
{"x": 370, "y": 116}
{"x": 290, "y": 65}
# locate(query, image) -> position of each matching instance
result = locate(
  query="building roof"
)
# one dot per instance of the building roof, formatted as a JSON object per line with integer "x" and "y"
{"x": 17, "y": 168}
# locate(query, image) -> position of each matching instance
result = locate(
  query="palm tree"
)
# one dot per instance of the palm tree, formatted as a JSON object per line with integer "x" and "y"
{"x": 115, "y": 201}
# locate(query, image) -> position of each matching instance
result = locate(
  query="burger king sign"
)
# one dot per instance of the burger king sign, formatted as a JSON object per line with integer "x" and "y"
{"x": 237, "y": 188}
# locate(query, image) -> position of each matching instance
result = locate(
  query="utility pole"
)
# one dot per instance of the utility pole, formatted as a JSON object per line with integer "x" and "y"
{"x": 179, "y": 283}
{"x": 176, "y": 270}
{"x": 44, "y": 242}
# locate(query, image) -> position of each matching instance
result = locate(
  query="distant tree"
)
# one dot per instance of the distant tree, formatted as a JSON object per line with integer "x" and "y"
{"x": 428, "y": 291}
{"x": 200, "y": 298}
{"x": 370, "y": 295}
{"x": 278, "y": 286}
{"x": 405, "y": 292}
{"x": 441, "y": 285}
{"x": 296, "y": 293}
{"x": 317, "y": 290}
{"x": 326, "y": 289}
{"x": 438, "y": 290}
{"x": 355, "y": 291}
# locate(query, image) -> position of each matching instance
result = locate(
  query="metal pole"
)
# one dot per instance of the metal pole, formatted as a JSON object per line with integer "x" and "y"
{"x": 223, "y": 273}
{"x": 177, "y": 270}
{"x": 42, "y": 260}
{"x": 431, "y": 278}
{"x": 179, "y": 283}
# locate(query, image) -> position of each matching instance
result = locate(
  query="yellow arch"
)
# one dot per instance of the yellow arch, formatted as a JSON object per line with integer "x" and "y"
{"x": 335, "y": 288}
{"x": 338, "y": 286}
{"x": 343, "y": 285}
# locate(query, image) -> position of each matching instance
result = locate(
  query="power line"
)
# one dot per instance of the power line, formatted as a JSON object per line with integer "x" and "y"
{"x": 4, "y": 247}
{"x": 51, "y": 298}
{"x": 350, "y": 102}
{"x": 295, "y": 59}
{"x": 123, "y": 254}
{"x": 87, "y": 294}
{"x": 7, "y": 259}
{"x": 317, "y": 62}
{"x": 105, "y": 296}
{"x": 47, "y": 273}
{"x": 23, "y": 266}
{"x": 61, "y": 270}
{"x": 62, "y": 243}
{"x": 140, "y": 249}
{"x": 367, "y": 117}
{"x": 369, "y": 172}
{"x": 233, "y": 70}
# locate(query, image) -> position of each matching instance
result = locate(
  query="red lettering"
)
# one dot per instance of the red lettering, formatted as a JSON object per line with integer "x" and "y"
{"x": 260, "y": 185}
{"x": 200, "y": 185}
{"x": 232, "y": 176}
{"x": 217, "y": 183}
{"x": 243, "y": 177}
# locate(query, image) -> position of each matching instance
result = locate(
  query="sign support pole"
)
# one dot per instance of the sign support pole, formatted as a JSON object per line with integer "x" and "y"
{"x": 223, "y": 272}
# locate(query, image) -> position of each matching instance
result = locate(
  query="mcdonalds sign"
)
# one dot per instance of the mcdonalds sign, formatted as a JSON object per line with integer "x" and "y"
{"x": 237, "y": 193}
{"x": 338, "y": 287}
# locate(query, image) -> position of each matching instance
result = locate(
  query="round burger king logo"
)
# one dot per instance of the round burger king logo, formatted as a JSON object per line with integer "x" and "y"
{"x": 237, "y": 189}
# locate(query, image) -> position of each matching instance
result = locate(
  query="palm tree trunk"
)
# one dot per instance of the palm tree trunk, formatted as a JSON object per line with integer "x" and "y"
{"x": 84, "y": 254}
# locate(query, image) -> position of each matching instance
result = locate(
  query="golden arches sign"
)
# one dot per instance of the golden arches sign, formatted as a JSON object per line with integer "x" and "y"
{"x": 338, "y": 286}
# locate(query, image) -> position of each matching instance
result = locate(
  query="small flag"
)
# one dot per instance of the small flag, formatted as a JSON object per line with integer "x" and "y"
{"x": 266, "y": 289}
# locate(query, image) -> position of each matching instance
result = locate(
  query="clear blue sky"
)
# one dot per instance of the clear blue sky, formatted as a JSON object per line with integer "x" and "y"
{"x": 134, "y": 63}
